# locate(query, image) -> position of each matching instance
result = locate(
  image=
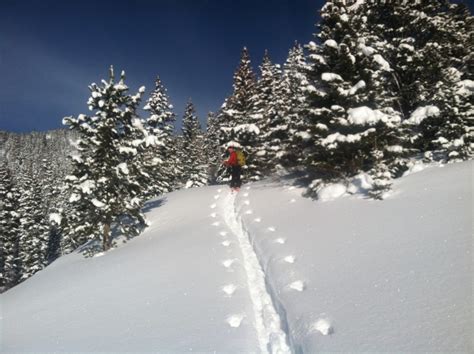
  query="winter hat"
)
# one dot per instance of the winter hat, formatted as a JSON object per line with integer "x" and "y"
{"x": 233, "y": 144}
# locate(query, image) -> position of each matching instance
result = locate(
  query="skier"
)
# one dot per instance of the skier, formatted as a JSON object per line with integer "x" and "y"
{"x": 235, "y": 167}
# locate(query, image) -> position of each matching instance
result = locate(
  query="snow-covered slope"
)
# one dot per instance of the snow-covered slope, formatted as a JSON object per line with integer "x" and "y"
{"x": 392, "y": 275}
{"x": 267, "y": 270}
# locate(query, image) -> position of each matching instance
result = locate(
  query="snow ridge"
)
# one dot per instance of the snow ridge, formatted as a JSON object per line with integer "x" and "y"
{"x": 271, "y": 337}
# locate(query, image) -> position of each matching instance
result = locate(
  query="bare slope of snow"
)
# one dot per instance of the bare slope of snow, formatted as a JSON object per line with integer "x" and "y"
{"x": 167, "y": 290}
{"x": 266, "y": 270}
{"x": 361, "y": 275}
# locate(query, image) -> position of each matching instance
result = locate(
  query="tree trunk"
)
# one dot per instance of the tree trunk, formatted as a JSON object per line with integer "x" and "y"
{"x": 106, "y": 240}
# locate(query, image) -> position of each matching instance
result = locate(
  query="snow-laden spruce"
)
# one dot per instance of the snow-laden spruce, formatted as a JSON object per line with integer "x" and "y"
{"x": 109, "y": 177}
{"x": 427, "y": 62}
{"x": 10, "y": 271}
{"x": 265, "y": 115}
{"x": 350, "y": 120}
{"x": 162, "y": 156}
{"x": 192, "y": 153}
{"x": 237, "y": 123}
{"x": 212, "y": 149}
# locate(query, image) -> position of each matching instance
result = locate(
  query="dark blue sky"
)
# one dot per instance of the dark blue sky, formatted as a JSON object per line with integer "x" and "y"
{"x": 51, "y": 50}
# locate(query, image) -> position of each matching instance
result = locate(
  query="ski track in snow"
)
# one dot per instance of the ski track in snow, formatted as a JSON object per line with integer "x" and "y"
{"x": 271, "y": 337}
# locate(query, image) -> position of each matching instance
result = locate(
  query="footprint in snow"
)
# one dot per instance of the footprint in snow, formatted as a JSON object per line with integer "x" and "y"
{"x": 223, "y": 233}
{"x": 229, "y": 289}
{"x": 213, "y": 215}
{"x": 297, "y": 285}
{"x": 289, "y": 259}
{"x": 217, "y": 223}
{"x": 323, "y": 326}
{"x": 213, "y": 206}
{"x": 271, "y": 229}
{"x": 280, "y": 240}
{"x": 228, "y": 263}
{"x": 235, "y": 320}
{"x": 257, "y": 219}
{"x": 226, "y": 243}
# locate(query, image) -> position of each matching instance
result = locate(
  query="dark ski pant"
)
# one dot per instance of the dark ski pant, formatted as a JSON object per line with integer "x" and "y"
{"x": 235, "y": 172}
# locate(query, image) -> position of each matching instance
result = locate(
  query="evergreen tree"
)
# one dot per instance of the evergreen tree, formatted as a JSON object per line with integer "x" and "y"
{"x": 351, "y": 125}
{"x": 52, "y": 203}
{"x": 108, "y": 179}
{"x": 162, "y": 158}
{"x": 266, "y": 116}
{"x": 33, "y": 230}
{"x": 428, "y": 46}
{"x": 450, "y": 132}
{"x": 235, "y": 116}
{"x": 9, "y": 230}
{"x": 193, "y": 154}
{"x": 291, "y": 105}
{"x": 454, "y": 133}
{"x": 212, "y": 147}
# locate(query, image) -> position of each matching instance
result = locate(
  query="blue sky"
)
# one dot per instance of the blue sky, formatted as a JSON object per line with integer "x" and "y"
{"x": 51, "y": 50}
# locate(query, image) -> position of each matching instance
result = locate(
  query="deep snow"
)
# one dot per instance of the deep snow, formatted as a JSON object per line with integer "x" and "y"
{"x": 267, "y": 270}
{"x": 392, "y": 275}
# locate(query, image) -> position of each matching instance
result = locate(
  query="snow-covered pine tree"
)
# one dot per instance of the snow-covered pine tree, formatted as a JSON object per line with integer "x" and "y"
{"x": 212, "y": 147}
{"x": 34, "y": 229}
{"x": 235, "y": 116}
{"x": 429, "y": 48}
{"x": 266, "y": 117}
{"x": 290, "y": 105}
{"x": 193, "y": 155}
{"x": 9, "y": 230}
{"x": 68, "y": 218}
{"x": 451, "y": 131}
{"x": 350, "y": 122}
{"x": 454, "y": 136}
{"x": 4, "y": 214}
{"x": 180, "y": 167}
{"x": 108, "y": 180}
{"x": 161, "y": 160}
{"x": 52, "y": 203}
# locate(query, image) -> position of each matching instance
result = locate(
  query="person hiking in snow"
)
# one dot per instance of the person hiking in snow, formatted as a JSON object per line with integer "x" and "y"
{"x": 235, "y": 165}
